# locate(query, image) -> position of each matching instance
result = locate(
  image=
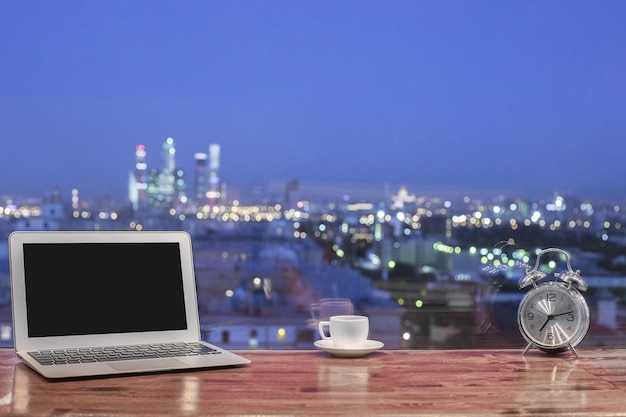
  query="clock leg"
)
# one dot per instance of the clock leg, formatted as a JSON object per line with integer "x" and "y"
{"x": 571, "y": 348}
{"x": 527, "y": 349}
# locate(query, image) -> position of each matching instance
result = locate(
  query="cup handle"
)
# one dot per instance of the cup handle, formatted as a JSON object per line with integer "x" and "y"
{"x": 321, "y": 326}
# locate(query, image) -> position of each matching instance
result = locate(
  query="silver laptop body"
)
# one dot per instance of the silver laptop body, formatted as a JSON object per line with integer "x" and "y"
{"x": 86, "y": 296}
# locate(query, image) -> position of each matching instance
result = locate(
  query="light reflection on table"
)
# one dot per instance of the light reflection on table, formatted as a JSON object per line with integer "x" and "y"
{"x": 428, "y": 383}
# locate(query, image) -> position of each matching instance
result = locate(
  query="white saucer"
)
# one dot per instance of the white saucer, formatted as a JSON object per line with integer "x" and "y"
{"x": 367, "y": 347}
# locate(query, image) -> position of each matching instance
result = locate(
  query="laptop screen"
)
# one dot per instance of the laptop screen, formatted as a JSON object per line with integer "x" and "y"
{"x": 100, "y": 288}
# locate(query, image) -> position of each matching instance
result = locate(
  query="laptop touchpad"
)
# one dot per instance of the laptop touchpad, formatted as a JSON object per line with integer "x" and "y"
{"x": 147, "y": 364}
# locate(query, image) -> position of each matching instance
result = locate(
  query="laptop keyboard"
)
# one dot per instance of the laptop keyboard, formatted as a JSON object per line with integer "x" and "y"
{"x": 119, "y": 353}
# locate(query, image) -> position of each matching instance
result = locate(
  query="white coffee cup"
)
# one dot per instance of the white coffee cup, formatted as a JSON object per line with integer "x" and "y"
{"x": 346, "y": 331}
{"x": 327, "y": 307}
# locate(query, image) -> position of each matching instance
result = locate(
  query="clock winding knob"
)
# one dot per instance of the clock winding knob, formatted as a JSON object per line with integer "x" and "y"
{"x": 530, "y": 278}
{"x": 574, "y": 279}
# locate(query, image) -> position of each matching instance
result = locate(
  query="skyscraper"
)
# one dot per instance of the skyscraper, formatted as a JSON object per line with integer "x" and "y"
{"x": 137, "y": 181}
{"x": 167, "y": 175}
{"x": 201, "y": 178}
{"x": 140, "y": 175}
{"x": 214, "y": 193}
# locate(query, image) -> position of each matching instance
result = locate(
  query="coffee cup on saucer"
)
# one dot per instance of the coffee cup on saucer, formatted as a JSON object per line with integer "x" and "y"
{"x": 345, "y": 331}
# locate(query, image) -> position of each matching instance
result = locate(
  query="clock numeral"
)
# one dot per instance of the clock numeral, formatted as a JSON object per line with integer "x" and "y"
{"x": 530, "y": 316}
{"x": 550, "y": 336}
{"x": 570, "y": 317}
{"x": 551, "y": 297}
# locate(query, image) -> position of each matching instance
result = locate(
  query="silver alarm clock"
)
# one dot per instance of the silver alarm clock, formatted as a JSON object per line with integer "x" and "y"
{"x": 553, "y": 316}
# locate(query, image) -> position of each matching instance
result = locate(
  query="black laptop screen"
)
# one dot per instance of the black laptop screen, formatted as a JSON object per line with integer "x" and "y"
{"x": 98, "y": 288}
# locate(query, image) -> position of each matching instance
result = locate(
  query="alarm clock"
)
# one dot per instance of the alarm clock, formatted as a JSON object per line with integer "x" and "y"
{"x": 553, "y": 316}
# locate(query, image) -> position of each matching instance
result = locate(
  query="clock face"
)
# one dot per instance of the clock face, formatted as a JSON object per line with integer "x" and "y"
{"x": 553, "y": 316}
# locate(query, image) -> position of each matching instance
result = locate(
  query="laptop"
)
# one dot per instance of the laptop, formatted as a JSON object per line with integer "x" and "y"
{"x": 88, "y": 303}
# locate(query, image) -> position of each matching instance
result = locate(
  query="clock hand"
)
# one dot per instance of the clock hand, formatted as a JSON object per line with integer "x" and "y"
{"x": 550, "y": 317}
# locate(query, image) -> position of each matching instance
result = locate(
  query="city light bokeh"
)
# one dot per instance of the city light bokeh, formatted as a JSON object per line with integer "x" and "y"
{"x": 434, "y": 270}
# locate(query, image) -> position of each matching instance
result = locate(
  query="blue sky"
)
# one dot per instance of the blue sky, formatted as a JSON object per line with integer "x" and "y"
{"x": 528, "y": 94}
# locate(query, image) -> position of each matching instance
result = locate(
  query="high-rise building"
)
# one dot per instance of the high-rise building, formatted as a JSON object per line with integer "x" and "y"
{"x": 138, "y": 184}
{"x": 167, "y": 176}
{"x": 214, "y": 192}
{"x": 154, "y": 196}
{"x": 201, "y": 178}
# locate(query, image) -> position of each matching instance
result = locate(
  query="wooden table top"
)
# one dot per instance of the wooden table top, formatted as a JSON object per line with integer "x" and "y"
{"x": 388, "y": 382}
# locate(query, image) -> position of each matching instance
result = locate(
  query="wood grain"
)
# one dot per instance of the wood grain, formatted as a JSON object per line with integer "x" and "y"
{"x": 388, "y": 382}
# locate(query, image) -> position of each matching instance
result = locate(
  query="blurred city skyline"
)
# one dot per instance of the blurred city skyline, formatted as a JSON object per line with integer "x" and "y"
{"x": 492, "y": 96}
